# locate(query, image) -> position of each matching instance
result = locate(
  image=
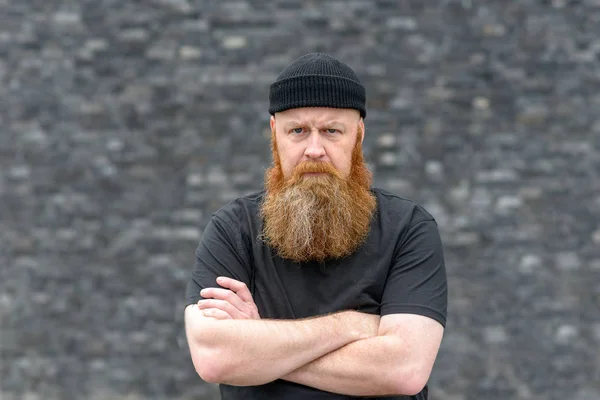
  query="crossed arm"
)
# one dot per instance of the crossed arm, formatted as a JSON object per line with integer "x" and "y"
{"x": 347, "y": 352}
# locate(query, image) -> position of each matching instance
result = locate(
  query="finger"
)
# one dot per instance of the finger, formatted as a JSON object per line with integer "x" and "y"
{"x": 248, "y": 308}
{"x": 223, "y": 306}
{"x": 216, "y": 313}
{"x": 238, "y": 287}
{"x": 224, "y": 294}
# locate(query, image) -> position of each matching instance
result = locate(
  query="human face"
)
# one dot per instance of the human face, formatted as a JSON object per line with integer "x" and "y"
{"x": 316, "y": 134}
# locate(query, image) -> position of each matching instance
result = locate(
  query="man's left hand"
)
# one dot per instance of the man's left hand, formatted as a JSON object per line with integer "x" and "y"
{"x": 233, "y": 302}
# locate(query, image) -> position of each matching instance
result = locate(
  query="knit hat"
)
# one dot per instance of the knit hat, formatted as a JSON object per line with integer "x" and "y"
{"x": 317, "y": 80}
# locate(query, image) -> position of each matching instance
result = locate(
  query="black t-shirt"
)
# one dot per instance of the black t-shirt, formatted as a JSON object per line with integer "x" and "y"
{"x": 399, "y": 269}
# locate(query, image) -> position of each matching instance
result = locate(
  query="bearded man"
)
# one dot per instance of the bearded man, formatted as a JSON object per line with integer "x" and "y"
{"x": 320, "y": 286}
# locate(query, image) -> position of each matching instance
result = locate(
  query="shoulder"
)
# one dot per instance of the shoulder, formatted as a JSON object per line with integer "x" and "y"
{"x": 392, "y": 207}
{"x": 244, "y": 209}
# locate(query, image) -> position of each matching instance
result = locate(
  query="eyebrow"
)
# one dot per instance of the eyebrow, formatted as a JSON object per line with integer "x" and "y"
{"x": 327, "y": 124}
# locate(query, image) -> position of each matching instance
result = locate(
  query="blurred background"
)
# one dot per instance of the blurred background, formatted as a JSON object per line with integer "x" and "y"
{"x": 125, "y": 124}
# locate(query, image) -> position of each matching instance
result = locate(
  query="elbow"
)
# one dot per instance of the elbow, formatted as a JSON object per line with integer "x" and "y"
{"x": 409, "y": 381}
{"x": 209, "y": 375}
{"x": 214, "y": 366}
{"x": 207, "y": 355}
{"x": 210, "y": 366}
{"x": 411, "y": 388}
{"x": 208, "y": 359}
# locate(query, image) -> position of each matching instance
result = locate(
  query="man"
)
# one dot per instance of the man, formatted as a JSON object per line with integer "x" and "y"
{"x": 320, "y": 287}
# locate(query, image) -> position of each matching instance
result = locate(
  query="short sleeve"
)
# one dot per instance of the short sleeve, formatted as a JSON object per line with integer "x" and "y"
{"x": 220, "y": 253}
{"x": 416, "y": 282}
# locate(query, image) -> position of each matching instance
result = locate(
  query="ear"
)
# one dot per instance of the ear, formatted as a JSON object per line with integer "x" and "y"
{"x": 361, "y": 125}
{"x": 272, "y": 123}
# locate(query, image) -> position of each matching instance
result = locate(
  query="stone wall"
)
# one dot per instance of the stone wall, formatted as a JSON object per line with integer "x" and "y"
{"x": 125, "y": 124}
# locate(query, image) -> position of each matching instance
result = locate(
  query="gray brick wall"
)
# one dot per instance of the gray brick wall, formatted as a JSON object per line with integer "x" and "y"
{"x": 125, "y": 124}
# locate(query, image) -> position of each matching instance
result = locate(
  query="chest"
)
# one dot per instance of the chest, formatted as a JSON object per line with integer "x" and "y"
{"x": 285, "y": 290}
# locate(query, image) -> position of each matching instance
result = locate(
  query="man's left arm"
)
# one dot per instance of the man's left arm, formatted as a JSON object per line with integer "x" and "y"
{"x": 413, "y": 307}
{"x": 396, "y": 362}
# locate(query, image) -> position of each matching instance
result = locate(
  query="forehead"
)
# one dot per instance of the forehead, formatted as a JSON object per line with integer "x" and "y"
{"x": 318, "y": 115}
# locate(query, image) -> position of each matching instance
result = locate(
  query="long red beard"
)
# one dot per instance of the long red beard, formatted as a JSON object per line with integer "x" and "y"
{"x": 315, "y": 218}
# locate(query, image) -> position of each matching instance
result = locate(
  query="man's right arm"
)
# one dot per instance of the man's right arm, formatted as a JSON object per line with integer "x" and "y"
{"x": 255, "y": 352}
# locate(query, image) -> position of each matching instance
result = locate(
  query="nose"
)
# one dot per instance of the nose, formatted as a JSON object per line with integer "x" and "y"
{"x": 314, "y": 149}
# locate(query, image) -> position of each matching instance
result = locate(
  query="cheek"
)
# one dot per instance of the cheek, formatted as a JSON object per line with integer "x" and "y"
{"x": 287, "y": 158}
{"x": 287, "y": 168}
{"x": 342, "y": 161}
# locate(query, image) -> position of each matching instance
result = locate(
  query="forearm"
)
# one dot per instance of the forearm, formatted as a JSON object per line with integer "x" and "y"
{"x": 253, "y": 352}
{"x": 366, "y": 367}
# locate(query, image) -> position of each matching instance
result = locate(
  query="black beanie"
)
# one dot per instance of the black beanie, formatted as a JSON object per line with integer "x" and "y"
{"x": 317, "y": 80}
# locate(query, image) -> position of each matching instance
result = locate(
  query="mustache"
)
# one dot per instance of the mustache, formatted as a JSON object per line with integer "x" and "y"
{"x": 315, "y": 167}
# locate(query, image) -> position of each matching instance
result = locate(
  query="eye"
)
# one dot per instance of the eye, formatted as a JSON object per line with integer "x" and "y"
{"x": 297, "y": 131}
{"x": 332, "y": 131}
